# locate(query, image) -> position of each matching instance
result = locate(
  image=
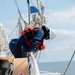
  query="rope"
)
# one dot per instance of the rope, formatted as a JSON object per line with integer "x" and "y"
{"x": 69, "y": 63}
{"x": 18, "y": 22}
{"x": 12, "y": 31}
{"x": 18, "y": 10}
{"x": 15, "y": 27}
{"x": 29, "y": 65}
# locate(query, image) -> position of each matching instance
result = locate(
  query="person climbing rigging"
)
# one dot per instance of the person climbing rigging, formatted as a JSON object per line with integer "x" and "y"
{"x": 32, "y": 39}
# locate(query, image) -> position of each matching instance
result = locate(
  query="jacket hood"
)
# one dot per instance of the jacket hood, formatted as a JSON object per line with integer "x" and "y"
{"x": 46, "y": 31}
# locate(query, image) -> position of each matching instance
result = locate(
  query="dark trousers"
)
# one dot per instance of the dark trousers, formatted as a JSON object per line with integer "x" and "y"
{"x": 18, "y": 51}
{"x": 17, "y": 47}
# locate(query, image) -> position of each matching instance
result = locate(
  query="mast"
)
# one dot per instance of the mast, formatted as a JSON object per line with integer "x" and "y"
{"x": 28, "y": 11}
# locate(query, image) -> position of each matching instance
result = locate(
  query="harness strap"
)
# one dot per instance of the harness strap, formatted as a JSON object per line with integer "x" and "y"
{"x": 24, "y": 32}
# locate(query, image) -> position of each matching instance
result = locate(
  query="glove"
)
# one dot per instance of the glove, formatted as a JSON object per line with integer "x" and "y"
{"x": 42, "y": 47}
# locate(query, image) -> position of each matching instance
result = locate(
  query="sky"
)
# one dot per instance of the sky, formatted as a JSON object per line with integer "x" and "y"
{"x": 61, "y": 18}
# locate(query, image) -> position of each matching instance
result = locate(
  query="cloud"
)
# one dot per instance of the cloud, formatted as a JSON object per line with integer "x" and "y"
{"x": 64, "y": 40}
{"x": 65, "y": 33}
{"x": 61, "y": 48}
{"x": 62, "y": 16}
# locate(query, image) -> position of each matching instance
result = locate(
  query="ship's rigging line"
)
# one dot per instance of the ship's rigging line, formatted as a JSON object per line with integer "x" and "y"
{"x": 69, "y": 63}
{"x": 20, "y": 17}
{"x": 19, "y": 12}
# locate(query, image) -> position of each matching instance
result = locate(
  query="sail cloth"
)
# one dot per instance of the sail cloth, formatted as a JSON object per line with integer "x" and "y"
{"x": 19, "y": 29}
{"x": 34, "y": 67}
{"x": 33, "y": 9}
{"x": 3, "y": 38}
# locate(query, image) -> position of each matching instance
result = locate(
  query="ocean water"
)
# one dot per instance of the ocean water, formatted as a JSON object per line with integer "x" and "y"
{"x": 59, "y": 67}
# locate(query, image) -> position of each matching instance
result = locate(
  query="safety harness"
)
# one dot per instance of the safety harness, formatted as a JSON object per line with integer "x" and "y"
{"x": 29, "y": 34}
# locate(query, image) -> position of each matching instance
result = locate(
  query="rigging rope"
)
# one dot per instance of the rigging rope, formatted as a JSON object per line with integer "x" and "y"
{"x": 26, "y": 24}
{"x": 12, "y": 31}
{"x": 18, "y": 10}
{"x": 69, "y": 63}
{"x": 19, "y": 18}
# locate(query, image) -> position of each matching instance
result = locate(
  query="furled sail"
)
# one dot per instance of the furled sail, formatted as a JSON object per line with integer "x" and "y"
{"x": 34, "y": 66}
{"x": 3, "y": 38}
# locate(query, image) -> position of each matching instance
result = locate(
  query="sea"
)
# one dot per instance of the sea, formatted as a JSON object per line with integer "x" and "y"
{"x": 59, "y": 67}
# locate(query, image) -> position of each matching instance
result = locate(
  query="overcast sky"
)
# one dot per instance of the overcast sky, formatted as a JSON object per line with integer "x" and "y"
{"x": 61, "y": 17}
